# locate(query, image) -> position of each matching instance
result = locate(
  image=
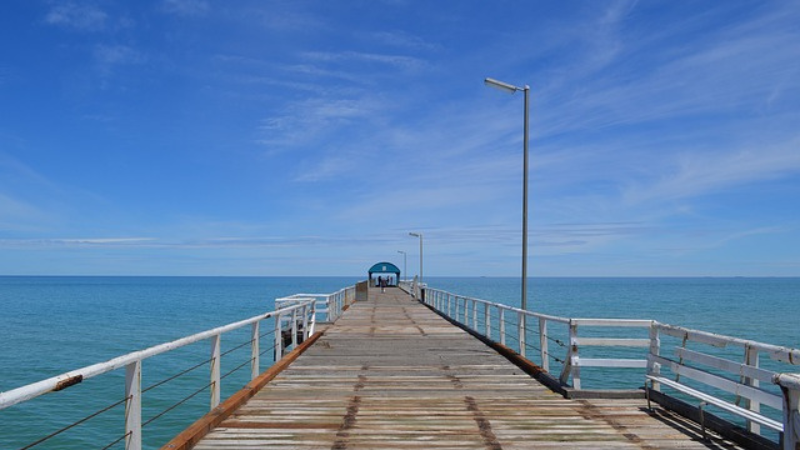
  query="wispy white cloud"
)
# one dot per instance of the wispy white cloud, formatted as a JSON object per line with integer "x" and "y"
{"x": 112, "y": 55}
{"x": 186, "y": 8}
{"x": 697, "y": 174}
{"x": 71, "y": 242}
{"x": 304, "y": 122}
{"x": 401, "y": 39}
{"x": 77, "y": 16}
{"x": 110, "y": 58}
{"x": 402, "y": 62}
{"x": 33, "y": 203}
{"x": 284, "y": 17}
{"x": 19, "y": 215}
{"x": 704, "y": 76}
{"x": 330, "y": 167}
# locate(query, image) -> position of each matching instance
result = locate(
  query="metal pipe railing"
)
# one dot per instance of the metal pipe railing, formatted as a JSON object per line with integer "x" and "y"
{"x": 747, "y": 388}
{"x": 301, "y": 315}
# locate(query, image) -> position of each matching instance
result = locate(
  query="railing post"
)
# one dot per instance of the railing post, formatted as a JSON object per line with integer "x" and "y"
{"x": 466, "y": 312}
{"x": 133, "y": 406}
{"x": 543, "y": 344}
{"x": 294, "y": 328}
{"x": 313, "y": 318}
{"x": 574, "y": 355}
{"x": 751, "y": 358}
{"x": 255, "y": 354}
{"x": 791, "y": 420}
{"x": 305, "y": 322}
{"x": 449, "y": 305}
{"x": 653, "y": 368}
{"x": 278, "y": 339}
{"x": 502, "y": 325}
{"x": 521, "y": 324}
{"x": 488, "y": 320}
{"x": 329, "y": 307}
{"x": 790, "y": 387}
{"x": 572, "y": 350}
{"x": 474, "y": 314}
{"x": 215, "y": 370}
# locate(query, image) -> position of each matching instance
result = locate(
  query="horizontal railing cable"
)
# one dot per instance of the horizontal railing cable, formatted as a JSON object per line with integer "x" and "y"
{"x": 116, "y": 441}
{"x": 532, "y": 347}
{"x": 272, "y": 347}
{"x": 236, "y": 348}
{"x": 186, "y": 399}
{"x": 495, "y": 318}
{"x": 179, "y": 374}
{"x": 75, "y": 424}
{"x": 557, "y": 341}
{"x": 553, "y": 357}
{"x": 271, "y": 331}
{"x": 239, "y": 367}
{"x": 132, "y": 362}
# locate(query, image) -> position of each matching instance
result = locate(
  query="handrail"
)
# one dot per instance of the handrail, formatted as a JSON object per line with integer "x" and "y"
{"x": 334, "y": 303}
{"x": 466, "y": 310}
{"x": 301, "y": 316}
{"x": 33, "y": 390}
{"x": 722, "y": 373}
{"x": 776, "y": 352}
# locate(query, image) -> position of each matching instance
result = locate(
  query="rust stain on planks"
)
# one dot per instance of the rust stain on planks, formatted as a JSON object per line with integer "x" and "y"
{"x": 391, "y": 374}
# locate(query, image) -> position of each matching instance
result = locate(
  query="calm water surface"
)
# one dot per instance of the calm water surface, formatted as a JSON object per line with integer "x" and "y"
{"x": 49, "y": 325}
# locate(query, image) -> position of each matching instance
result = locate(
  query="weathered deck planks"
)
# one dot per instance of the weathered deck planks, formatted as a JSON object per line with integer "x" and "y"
{"x": 391, "y": 374}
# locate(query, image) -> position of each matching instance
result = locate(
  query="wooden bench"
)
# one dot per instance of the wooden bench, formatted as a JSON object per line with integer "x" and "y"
{"x": 747, "y": 390}
{"x": 706, "y": 399}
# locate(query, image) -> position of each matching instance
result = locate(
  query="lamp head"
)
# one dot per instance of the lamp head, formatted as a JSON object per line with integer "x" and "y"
{"x": 505, "y": 87}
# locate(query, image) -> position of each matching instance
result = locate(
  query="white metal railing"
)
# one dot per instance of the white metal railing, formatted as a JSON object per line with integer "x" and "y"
{"x": 331, "y": 305}
{"x": 294, "y": 319}
{"x": 516, "y": 324}
{"x": 736, "y": 387}
{"x": 723, "y": 371}
{"x": 412, "y": 287}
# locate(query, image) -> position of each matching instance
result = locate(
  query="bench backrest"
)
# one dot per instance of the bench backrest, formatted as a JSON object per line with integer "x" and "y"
{"x": 729, "y": 369}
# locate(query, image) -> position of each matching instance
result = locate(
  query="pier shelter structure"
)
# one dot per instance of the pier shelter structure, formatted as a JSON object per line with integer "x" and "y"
{"x": 385, "y": 268}
{"x": 392, "y": 373}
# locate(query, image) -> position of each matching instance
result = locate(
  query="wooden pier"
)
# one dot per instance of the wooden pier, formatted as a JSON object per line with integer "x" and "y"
{"x": 392, "y": 374}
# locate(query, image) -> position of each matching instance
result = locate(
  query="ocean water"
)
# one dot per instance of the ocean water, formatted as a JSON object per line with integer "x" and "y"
{"x": 50, "y": 325}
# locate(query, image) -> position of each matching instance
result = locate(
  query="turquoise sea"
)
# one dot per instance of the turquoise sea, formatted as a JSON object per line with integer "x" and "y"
{"x": 50, "y": 325}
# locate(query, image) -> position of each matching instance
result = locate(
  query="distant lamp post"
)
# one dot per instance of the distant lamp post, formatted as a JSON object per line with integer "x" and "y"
{"x": 419, "y": 235}
{"x": 510, "y": 88}
{"x": 404, "y": 263}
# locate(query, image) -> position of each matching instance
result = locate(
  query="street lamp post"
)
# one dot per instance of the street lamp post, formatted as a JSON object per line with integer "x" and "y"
{"x": 510, "y": 88}
{"x": 419, "y": 235}
{"x": 404, "y": 263}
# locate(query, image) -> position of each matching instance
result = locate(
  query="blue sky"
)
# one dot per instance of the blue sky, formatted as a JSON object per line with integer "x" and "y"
{"x": 195, "y": 137}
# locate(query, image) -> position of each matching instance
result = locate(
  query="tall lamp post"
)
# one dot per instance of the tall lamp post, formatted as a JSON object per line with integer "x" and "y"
{"x": 404, "y": 264}
{"x": 510, "y": 88}
{"x": 419, "y": 235}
